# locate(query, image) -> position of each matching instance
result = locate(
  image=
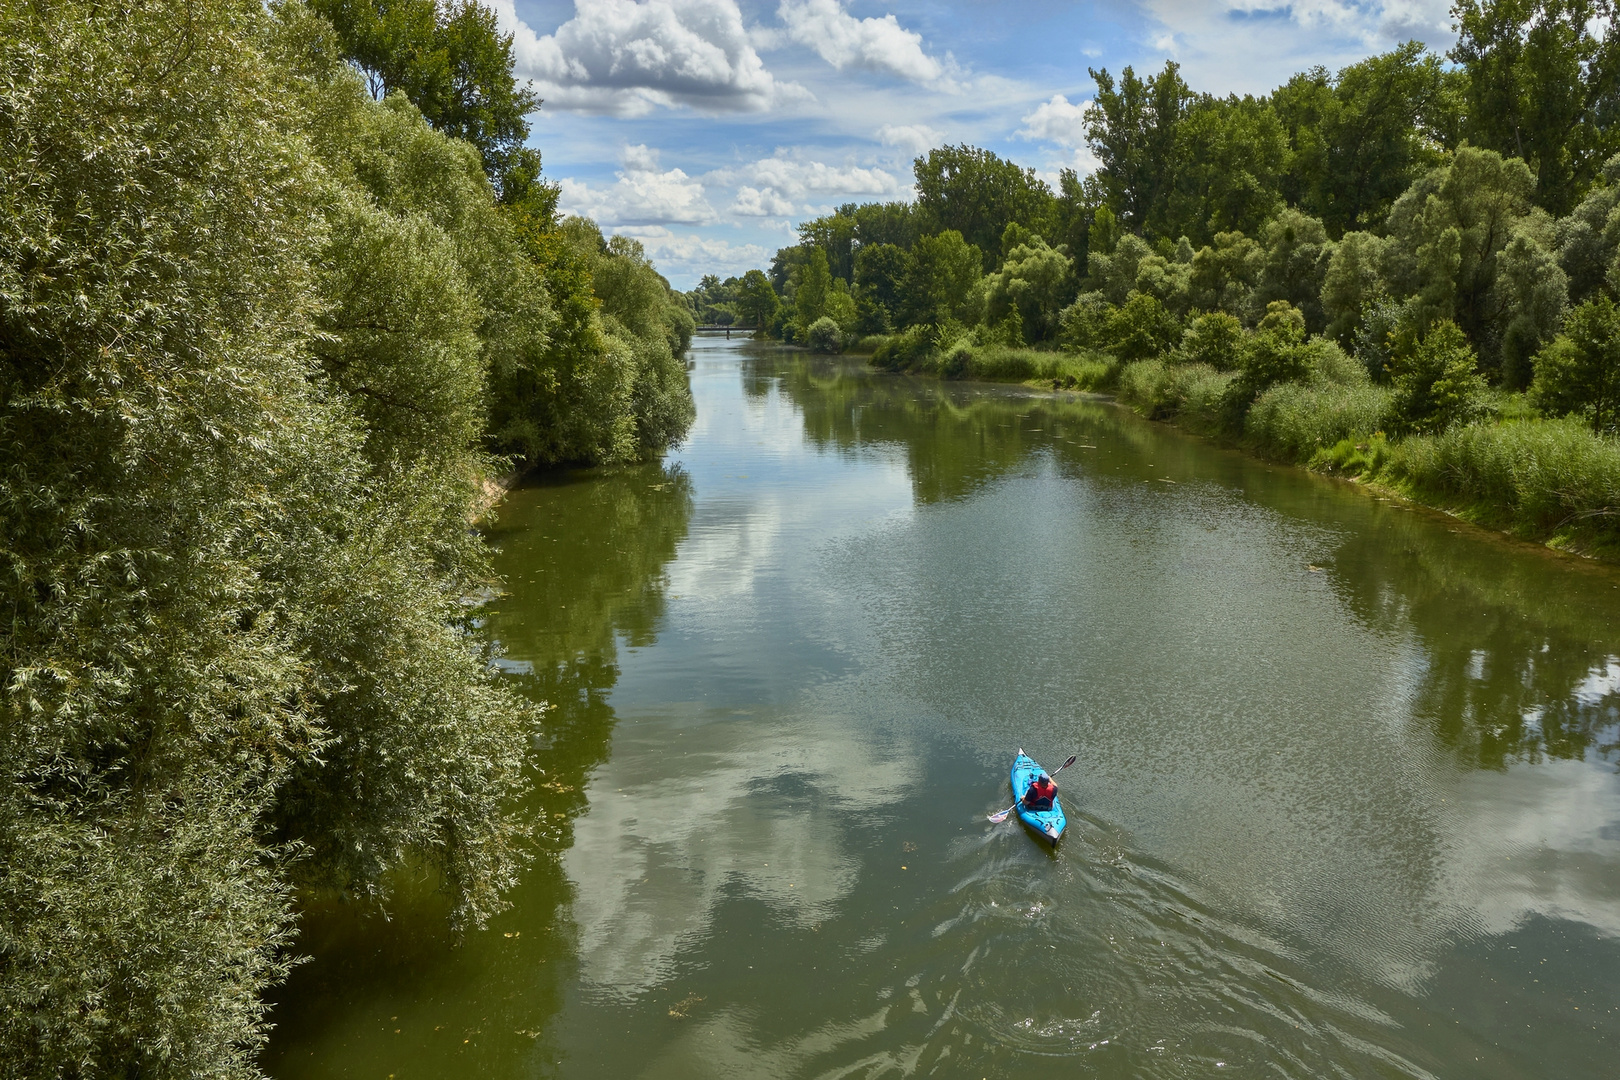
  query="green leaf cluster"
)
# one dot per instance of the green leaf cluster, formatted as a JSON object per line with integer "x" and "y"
{"x": 260, "y": 334}
{"x": 449, "y": 58}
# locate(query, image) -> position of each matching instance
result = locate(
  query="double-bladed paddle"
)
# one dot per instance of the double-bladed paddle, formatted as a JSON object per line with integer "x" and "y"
{"x": 999, "y": 818}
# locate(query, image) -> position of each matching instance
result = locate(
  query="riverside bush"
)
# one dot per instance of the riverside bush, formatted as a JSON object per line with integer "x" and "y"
{"x": 1436, "y": 384}
{"x": 1162, "y": 391}
{"x": 905, "y": 351}
{"x": 1293, "y": 422}
{"x": 965, "y": 359}
{"x": 1542, "y": 475}
{"x": 1353, "y": 457}
{"x": 1215, "y": 338}
{"x": 1002, "y": 363}
{"x": 1084, "y": 323}
{"x": 606, "y": 375}
{"x": 999, "y": 363}
{"x": 1141, "y": 328}
{"x": 1144, "y": 385}
{"x": 1578, "y": 373}
{"x": 824, "y": 336}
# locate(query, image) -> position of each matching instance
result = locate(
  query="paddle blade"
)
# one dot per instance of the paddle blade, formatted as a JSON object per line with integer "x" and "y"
{"x": 1072, "y": 759}
{"x": 1002, "y": 816}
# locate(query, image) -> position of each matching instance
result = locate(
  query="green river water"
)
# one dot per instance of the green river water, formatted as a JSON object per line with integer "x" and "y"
{"x": 1346, "y": 805}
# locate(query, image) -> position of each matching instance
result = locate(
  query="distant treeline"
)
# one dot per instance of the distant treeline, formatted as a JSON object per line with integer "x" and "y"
{"x": 279, "y": 289}
{"x": 1444, "y": 236}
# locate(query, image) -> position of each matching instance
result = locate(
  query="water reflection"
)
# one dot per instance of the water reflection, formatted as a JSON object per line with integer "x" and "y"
{"x": 1528, "y": 672}
{"x": 583, "y": 555}
{"x": 1519, "y": 646}
{"x": 754, "y": 816}
{"x": 1297, "y": 661}
{"x": 1346, "y": 803}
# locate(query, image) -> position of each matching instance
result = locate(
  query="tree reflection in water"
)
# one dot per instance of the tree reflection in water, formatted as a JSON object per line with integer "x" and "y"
{"x": 588, "y": 548}
{"x": 1523, "y": 679}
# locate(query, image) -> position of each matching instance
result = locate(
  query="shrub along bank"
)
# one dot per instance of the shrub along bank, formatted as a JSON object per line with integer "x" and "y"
{"x": 1440, "y": 437}
{"x": 1435, "y": 434}
{"x": 1551, "y": 480}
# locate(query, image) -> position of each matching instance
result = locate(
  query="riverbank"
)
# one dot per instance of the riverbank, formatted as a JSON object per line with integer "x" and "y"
{"x": 1551, "y": 482}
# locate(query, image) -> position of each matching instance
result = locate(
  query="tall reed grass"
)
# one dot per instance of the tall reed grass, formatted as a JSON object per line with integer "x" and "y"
{"x": 1553, "y": 480}
{"x": 1293, "y": 422}
{"x": 1540, "y": 477}
{"x": 1190, "y": 393}
{"x": 966, "y": 359}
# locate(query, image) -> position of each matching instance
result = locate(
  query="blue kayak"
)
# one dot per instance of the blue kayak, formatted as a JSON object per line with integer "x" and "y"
{"x": 1049, "y": 823}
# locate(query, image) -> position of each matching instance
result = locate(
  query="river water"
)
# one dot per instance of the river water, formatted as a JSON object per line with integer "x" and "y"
{"x": 1346, "y": 802}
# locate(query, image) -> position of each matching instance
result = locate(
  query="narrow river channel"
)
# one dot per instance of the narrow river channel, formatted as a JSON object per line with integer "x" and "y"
{"x": 1346, "y": 802}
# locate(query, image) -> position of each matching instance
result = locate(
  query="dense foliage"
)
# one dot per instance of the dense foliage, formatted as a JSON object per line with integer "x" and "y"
{"x": 252, "y": 325}
{"x": 1441, "y": 240}
{"x": 450, "y": 59}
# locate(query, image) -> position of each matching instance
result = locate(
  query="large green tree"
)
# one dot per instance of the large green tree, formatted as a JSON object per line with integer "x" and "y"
{"x": 1132, "y": 127}
{"x": 605, "y": 383}
{"x": 1579, "y": 372}
{"x": 1543, "y": 80}
{"x": 973, "y": 192}
{"x": 811, "y": 290}
{"x": 897, "y": 223}
{"x": 1448, "y": 232}
{"x": 1230, "y": 154}
{"x": 942, "y": 280}
{"x": 1037, "y": 282}
{"x": 835, "y": 235}
{"x": 450, "y": 58}
{"x": 235, "y": 566}
{"x": 757, "y": 302}
{"x": 1358, "y": 139}
{"x": 880, "y": 274}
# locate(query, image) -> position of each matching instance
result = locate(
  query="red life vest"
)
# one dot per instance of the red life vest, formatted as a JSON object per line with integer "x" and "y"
{"x": 1039, "y": 795}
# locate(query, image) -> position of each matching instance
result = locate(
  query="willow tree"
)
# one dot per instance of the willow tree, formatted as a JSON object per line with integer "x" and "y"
{"x": 231, "y": 585}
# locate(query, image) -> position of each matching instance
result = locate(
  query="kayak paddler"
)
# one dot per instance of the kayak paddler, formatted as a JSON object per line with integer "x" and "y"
{"x": 1040, "y": 794}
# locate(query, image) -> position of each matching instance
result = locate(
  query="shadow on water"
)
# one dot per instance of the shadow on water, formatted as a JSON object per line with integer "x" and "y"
{"x": 391, "y": 991}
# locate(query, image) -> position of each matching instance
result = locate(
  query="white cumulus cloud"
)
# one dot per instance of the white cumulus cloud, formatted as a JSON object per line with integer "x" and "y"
{"x": 1215, "y": 40}
{"x": 1062, "y": 123}
{"x": 685, "y": 257}
{"x": 880, "y": 45}
{"x": 762, "y": 202}
{"x": 779, "y": 186}
{"x": 911, "y": 138}
{"x": 626, "y": 57}
{"x": 1057, "y": 121}
{"x": 643, "y": 194}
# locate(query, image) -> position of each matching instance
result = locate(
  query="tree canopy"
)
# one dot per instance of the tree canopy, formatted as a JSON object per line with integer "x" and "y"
{"x": 1471, "y": 195}
{"x": 264, "y": 338}
{"x": 451, "y": 60}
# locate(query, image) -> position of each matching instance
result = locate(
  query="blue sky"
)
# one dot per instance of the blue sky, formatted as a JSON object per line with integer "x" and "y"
{"x": 709, "y": 128}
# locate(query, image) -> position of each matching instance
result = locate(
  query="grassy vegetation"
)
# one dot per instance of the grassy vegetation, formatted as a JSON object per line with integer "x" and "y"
{"x": 915, "y": 353}
{"x": 1551, "y": 480}
{"x": 1160, "y": 390}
